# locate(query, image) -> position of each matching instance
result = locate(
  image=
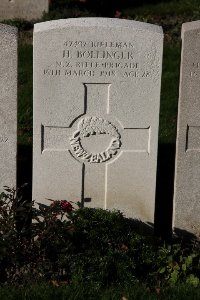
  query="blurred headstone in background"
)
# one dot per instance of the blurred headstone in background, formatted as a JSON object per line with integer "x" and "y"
{"x": 187, "y": 172}
{"x": 23, "y": 9}
{"x": 8, "y": 105}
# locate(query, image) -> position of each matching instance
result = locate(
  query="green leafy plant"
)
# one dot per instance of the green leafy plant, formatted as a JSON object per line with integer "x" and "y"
{"x": 181, "y": 264}
{"x": 86, "y": 246}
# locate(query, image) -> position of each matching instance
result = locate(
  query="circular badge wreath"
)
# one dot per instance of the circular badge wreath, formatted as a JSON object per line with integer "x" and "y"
{"x": 95, "y": 126}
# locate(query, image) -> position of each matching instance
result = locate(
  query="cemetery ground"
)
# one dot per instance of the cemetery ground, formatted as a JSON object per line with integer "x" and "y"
{"x": 104, "y": 256}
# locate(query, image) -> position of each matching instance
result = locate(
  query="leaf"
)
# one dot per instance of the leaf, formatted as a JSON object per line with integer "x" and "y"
{"x": 124, "y": 248}
{"x": 54, "y": 283}
{"x": 157, "y": 291}
{"x": 193, "y": 280}
{"x": 2, "y": 195}
{"x": 162, "y": 270}
{"x": 184, "y": 267}
{"x": 174, "y": 277}
{"x": 170, "y": 258}
{"x": 176, "y": 267}
{"x": 50, "y": 199}
{"x": 42, "y": 206}
{"x": 7, "y": 189}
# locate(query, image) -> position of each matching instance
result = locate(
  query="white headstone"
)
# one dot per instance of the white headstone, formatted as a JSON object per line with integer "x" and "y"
{"x": 96, "y": 111}
{"x": 187, "y": 173}
{"x": 23, "y": 9}
{"x": 8, "y": 105}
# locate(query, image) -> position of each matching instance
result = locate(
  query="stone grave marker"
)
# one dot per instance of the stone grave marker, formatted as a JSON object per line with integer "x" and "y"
{"x": 8, "y": 105}
{"x": 187, "y": 172}
{"x": 96, "y": 113}
{"x": 23, "y": 9}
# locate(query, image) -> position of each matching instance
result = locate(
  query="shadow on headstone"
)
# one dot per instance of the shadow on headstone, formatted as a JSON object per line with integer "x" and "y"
{"x": 184, "y": 236}
{"x": 140, "y": 227}
{"x": 164, "y": 190}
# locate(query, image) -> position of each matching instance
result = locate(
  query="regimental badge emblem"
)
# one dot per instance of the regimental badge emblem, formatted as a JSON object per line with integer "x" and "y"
{"x": 90, "y": 126}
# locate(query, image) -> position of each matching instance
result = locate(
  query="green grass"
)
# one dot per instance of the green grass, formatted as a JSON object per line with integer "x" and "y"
{"x": 47, "y": 292}
{"x": 169, "y": 93}
{"x": 25, "y": 94}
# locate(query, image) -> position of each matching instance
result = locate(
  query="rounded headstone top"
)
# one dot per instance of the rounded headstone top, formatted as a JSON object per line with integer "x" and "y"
{"x": 97, "y": 22}
{"x": 191, "y": 25}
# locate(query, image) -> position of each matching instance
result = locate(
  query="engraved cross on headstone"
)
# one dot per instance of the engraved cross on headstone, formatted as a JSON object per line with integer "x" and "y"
{"x": 96, "y": 139}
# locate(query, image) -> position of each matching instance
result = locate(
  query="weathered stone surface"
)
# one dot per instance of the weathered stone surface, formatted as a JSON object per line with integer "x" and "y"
{"x": 96, "y": 110}
{"x": 8, "y": 105}
{"x": 187, "y": 173}
{"x": 23, "y": 9}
